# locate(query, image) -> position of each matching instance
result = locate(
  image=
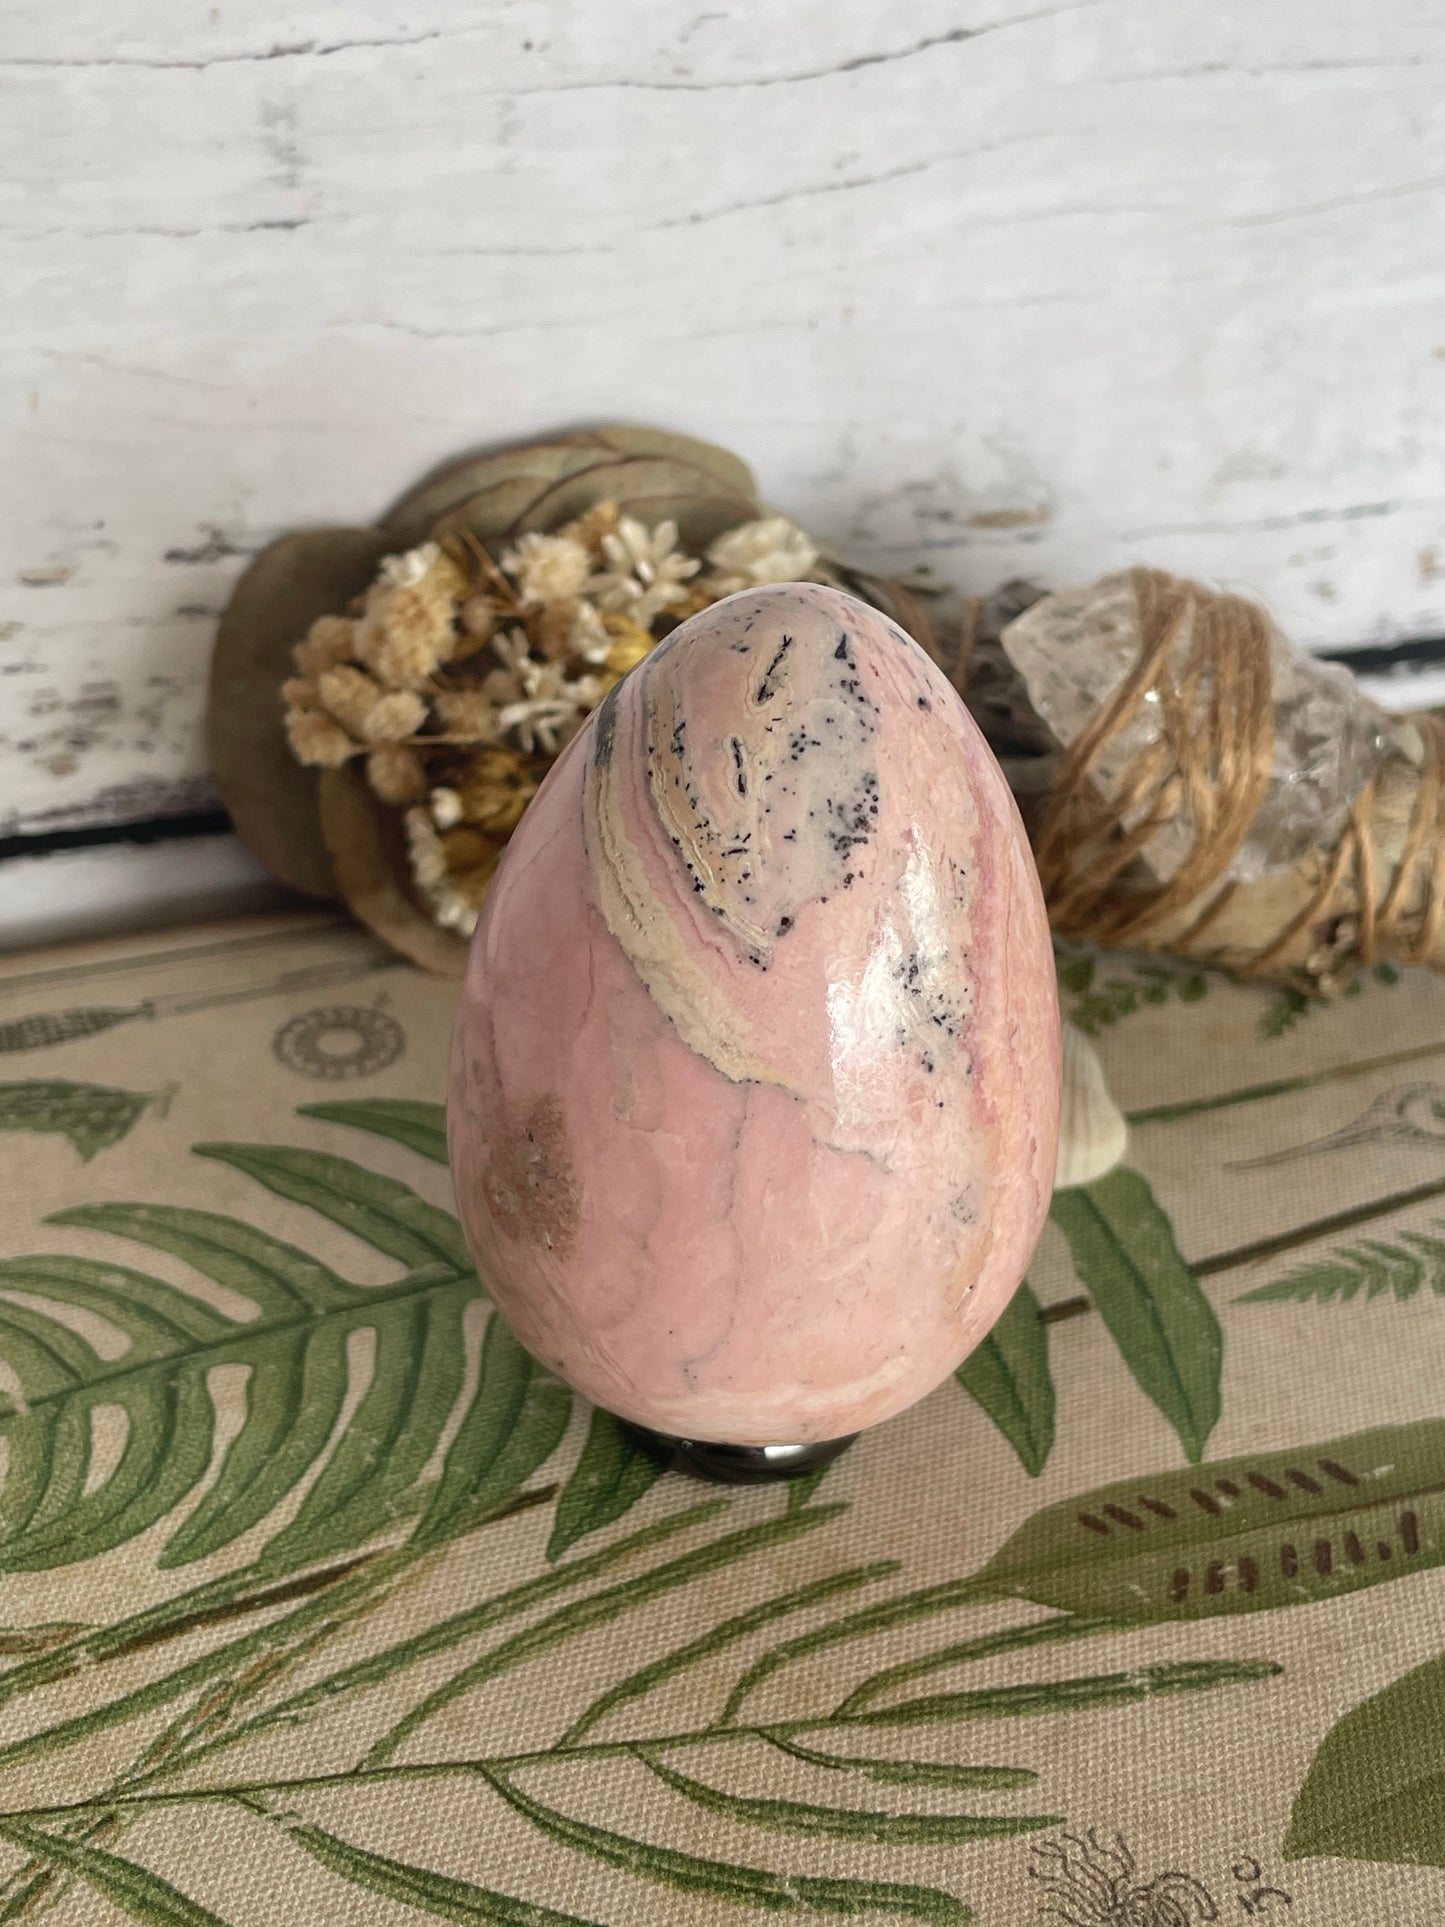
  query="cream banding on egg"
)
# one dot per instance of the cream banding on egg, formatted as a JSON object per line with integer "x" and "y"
{"x": 755, "y": 1086}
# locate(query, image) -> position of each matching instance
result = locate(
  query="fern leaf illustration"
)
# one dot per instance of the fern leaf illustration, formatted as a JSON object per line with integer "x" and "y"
{"x": 1371, "y": 1268}
{"x": 60, "y": 1504}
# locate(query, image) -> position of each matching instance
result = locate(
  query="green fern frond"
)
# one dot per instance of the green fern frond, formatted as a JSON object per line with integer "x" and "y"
{"x": 1092, "y": 1003}
{"x": 1369, "y": 1269}
{"x": 365, "y": 1472}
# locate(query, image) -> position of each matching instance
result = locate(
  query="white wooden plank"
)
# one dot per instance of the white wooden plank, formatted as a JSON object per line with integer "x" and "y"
{"x": 996, "y": 287}
{"x": 67, "y": 895}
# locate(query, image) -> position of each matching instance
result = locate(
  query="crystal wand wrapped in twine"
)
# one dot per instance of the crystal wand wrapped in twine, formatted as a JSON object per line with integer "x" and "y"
{"x": 1196, "y": 784}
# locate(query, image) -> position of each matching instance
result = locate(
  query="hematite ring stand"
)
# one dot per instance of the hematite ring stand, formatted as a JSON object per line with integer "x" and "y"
{"x": 740, "y": 1464}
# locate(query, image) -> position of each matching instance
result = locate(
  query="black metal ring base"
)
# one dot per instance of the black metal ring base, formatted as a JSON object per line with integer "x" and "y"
{"x": 742, "y": 1464}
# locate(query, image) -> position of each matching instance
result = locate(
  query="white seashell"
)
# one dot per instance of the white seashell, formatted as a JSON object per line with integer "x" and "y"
{"x": 1092, "y": 1131}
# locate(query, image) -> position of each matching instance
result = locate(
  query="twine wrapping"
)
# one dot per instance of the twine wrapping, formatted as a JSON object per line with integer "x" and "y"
{"x": 1204, "y": 669}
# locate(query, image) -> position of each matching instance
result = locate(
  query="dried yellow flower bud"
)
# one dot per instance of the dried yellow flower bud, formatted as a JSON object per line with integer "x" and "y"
{"x": 332, "y": 635}
{"x": 329, "y": 640}
{"x": 396, "y": 773}
{"x": 350, "y": 695}
{"x": 630, "y": 644}
{"x": 495, "y": 790}
{"x": 399, "y": 714}
{"x": 471, "y": 884}
{"x": 698, "y": 596}
{"x": 402, "y": 652}
{"x": 300, "y": 692}
{"x": 451, "y": 870}
{"x": 467, "y": 712}
{"x": 411, "y": 615}
{"x": 466, "y": 849}
{"x": 316, "y": 740}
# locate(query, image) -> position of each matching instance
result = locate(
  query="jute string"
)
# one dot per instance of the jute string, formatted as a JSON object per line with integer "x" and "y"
{"x": 1203, "y": 670}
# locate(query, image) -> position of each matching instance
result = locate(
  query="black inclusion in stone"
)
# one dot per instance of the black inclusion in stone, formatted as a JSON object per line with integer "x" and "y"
{"x": 738, "y": 1464}
{"x": 604, "y": 728}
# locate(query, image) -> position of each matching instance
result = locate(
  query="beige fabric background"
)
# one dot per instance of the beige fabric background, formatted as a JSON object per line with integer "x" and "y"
{"x": 162, "y": 1757}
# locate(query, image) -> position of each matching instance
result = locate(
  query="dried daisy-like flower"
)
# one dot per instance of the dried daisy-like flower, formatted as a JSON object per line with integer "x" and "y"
{"x": 548, "y": 568}
{"x": 591, "y": 636}
{"x": 551, "y": 708}
{"x": 646, "y": 573}
{"x": 409, "y": 624}
{"x": 513, "y": 651}
{"x": 772, "y": 549}
{"x": 458, "y": 676}
{"x": 316, "y": 740}
{"x": 396, "y": 774}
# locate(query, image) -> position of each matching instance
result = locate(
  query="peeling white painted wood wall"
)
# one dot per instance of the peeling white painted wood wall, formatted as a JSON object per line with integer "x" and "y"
{"x": 988, "y": 284}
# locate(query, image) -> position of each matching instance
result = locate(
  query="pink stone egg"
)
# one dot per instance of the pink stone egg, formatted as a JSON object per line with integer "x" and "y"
{"x": 755, "y": 1084}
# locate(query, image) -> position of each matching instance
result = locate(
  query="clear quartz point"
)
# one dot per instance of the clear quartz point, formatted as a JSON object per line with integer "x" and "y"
{"x": 1073, "y": 650}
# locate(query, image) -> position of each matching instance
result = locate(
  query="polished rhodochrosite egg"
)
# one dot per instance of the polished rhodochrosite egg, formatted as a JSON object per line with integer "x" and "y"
{"x": 756, "y": 1076}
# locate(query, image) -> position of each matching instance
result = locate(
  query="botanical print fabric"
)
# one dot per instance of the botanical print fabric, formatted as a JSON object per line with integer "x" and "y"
{"x": 319, "y": 1602}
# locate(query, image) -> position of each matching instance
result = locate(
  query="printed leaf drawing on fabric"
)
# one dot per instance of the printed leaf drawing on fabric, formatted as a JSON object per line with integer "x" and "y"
{"x": 91, "y": 1116}
{"x": 320, "y": 1666}
{"x": 1376, "y": 1787}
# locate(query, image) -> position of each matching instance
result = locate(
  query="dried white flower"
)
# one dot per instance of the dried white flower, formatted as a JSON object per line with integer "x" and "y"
{"x": 424, "y": 848}
{"x": 406, "y": 570}
{"x": 540, "y": 725}
{"x": 551, "y": 709}
{"x": 647, "y": 570}
{"x": 446, "y": 808}
{"x": 591, "y": 639}
{"x": 453, "y": 912}
{"x": 512, "y": 650}
{"x": 548, "y": 568}
{"x": 772, "y": 549}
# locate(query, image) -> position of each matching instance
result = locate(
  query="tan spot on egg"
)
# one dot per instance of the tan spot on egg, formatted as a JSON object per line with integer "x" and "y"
{"x": 529, "y": 1182}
